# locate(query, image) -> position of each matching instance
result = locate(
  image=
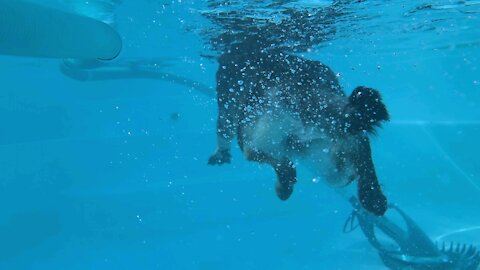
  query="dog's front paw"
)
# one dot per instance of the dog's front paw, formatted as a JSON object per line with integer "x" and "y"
{"x": 286, "y": 179}
{"x": 373, "y": 200}
{"x": 220, "y": 157}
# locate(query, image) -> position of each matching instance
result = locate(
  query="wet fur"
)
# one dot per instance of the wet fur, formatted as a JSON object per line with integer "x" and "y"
{"x": 281, "y": 108}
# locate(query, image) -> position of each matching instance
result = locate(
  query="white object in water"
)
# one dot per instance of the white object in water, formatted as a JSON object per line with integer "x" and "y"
{"x": 28, "y": 29}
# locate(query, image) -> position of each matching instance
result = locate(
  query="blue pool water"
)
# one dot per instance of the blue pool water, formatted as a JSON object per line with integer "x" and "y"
{"x": 113, "y": 174}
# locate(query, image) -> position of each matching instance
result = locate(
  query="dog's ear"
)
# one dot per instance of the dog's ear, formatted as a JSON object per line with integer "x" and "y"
{"x": 365, "y": 110}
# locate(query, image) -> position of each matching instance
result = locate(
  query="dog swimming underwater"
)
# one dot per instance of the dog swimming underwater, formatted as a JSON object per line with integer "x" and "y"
{"x": 283, "y": 109}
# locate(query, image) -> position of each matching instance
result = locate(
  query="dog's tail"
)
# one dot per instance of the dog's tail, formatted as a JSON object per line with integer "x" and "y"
{"x": 365, "y": 111}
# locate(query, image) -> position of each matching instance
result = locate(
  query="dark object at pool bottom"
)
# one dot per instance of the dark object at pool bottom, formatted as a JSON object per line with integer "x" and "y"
{"x": 410, "y": 249}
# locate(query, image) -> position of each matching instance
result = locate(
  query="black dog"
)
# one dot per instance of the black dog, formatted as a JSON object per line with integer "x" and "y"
{"x": 281, "y": 107}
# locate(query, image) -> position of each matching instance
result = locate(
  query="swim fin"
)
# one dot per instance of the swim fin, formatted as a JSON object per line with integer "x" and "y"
{"x": 32, "y": 30}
